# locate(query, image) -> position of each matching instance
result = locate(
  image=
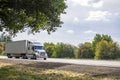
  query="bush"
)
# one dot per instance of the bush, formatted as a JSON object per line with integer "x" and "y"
{"x": 2, "y": 48}
{"x": 85, "y": 51}
{"x": 62, "y": 50}
{"x": 107, "y": 50}
{"x": 49, "y": 47}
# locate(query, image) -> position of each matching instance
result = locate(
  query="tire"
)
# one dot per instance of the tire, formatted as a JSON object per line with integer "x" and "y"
{"x": 9, "y": 56}
{"x": 34, "y": 57}
{"x": 45, "y": 58}
{"x": 24, "y": 56}
{"x": 17, "y": 57}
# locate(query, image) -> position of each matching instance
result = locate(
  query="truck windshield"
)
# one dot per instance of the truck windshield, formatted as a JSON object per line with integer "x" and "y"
{"x": 38, "y": 47}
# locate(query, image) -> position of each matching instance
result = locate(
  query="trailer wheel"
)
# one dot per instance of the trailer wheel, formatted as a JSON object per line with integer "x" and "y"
{"x": 9, "y": 56}
{"x": 34, "y": 57}
{"x": 17, "y": 57}
{"x": 24, "y": 57}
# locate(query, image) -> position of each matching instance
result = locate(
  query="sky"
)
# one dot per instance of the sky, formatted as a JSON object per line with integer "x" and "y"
{"x": 83, "y": 19}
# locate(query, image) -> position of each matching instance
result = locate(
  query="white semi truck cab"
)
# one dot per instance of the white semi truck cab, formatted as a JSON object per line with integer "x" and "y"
{"x": 25, "y": 49}
{"x": 39, "y": 50}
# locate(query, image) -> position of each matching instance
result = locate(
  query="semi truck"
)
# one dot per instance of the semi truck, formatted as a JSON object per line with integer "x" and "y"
{"x": 25, "y": 49}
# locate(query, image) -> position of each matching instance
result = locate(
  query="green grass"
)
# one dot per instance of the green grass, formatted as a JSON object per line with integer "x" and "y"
{"x": 19, "y": 72}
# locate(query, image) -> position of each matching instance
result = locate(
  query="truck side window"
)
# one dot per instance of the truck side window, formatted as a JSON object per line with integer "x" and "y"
{"x": 33, "y": 48}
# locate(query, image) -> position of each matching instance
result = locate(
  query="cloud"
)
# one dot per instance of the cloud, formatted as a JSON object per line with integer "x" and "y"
{"x": 89, "y": 3}
{"x": 98, "y": 16}
{"x": 70, "y": 31}
{"x": 98, "y": 4}
{"x": 76, "y": 20}
{"x": 90, "y": 32}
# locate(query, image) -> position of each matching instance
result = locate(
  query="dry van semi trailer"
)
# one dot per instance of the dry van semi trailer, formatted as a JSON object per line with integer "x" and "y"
{"x": 25, "y": 49}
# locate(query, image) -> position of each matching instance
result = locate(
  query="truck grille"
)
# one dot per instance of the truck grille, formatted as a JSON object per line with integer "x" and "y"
{"x": 42, "y": 54}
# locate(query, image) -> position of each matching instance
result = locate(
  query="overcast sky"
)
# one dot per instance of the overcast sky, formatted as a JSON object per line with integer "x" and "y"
{"x": 83, "y": 20}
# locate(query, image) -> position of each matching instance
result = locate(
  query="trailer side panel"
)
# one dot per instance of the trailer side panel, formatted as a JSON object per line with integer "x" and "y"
{"x": 16, "y": 47}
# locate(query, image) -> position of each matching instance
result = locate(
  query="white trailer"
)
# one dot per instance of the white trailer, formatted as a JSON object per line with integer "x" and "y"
{"x": 25, "y": 49}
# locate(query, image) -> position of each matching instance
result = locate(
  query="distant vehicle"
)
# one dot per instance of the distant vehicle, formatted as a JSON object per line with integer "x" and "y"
{"x": 25, "y": 49}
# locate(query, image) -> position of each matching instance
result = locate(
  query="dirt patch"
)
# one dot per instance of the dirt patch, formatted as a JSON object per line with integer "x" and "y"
{"x": 95, "y": 71}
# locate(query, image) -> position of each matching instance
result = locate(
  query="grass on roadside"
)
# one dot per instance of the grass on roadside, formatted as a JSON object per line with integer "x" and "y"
{"x": 20, "y": 72}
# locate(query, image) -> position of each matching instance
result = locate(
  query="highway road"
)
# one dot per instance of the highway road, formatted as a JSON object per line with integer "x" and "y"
{"x": 106, "y": 63}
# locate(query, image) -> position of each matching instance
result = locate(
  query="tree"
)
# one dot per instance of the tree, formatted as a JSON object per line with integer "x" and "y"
{"x": 98, "y": 38}
{"x": 5, "y": 38}
{"x": 85, "y": 51}
{"x": 107, "y": 50}
{"x": 15, "y": 15}
{"x": 2, "y": 48}
{"x": 63, "y": 51}
{"x": 49, "y": 47}
{"x": 114, "y": 50}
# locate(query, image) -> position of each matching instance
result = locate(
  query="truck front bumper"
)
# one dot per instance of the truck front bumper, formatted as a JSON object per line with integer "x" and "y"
{"x": 42, "y": 55}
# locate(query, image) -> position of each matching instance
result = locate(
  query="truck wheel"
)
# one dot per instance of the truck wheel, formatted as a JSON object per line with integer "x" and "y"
{"x": 45, "y": 58}
{"x": 34, "y": 57}
{"x": 9, "y": 56}
{"x": 24, "y": 57}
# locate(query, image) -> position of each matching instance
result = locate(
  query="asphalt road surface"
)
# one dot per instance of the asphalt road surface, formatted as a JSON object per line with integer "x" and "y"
{"x": 107, "y": 63}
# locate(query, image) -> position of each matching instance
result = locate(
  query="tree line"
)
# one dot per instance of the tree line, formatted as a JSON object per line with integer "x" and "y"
{"x": 102, "y": 47}
{"x": 59, "y": 50}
